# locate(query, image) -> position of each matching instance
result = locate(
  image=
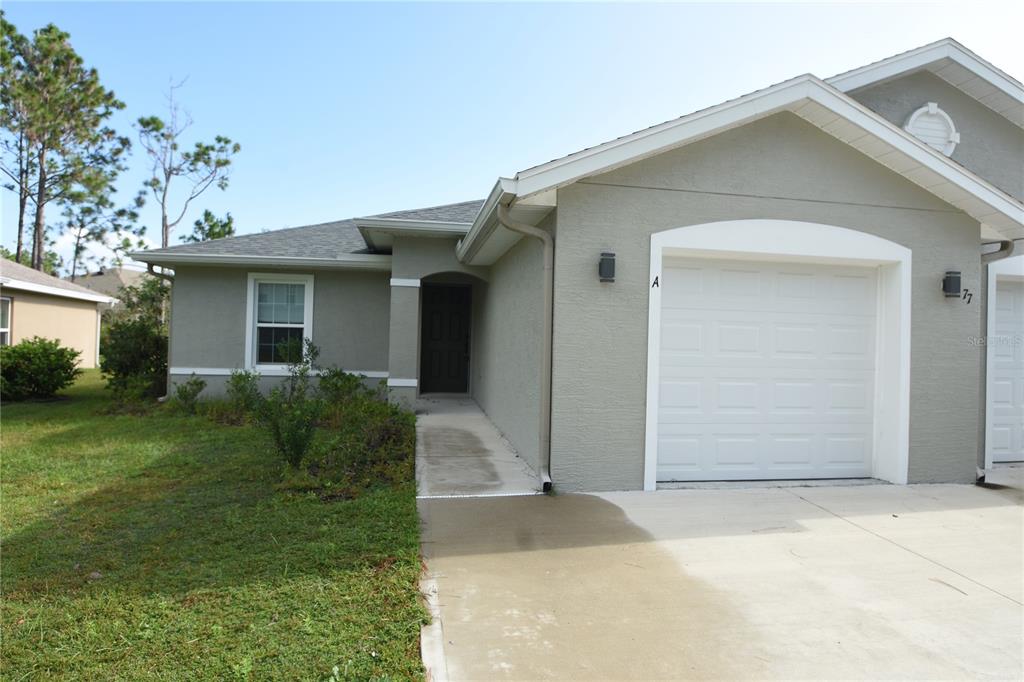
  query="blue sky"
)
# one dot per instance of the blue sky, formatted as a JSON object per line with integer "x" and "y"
{"x": 347, "y": 109}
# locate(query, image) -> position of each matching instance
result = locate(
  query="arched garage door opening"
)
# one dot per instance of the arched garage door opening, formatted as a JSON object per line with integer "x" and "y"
{"x": 777, "y": 350}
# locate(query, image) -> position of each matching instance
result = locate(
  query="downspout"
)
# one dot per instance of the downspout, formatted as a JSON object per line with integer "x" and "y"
{"x": 1005, "y": 250}
{"x": 548, "y": 243}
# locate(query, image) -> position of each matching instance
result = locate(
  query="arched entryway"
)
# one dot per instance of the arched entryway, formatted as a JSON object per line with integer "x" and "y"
{"x": 446, "y": 332}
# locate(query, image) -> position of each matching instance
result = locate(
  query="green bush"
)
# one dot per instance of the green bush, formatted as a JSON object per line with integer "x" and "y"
{"x": 372, "y": 442}
{"x": 135, "y": 352}
{"x": 186, "y": 394}
{"x": 36, "y": 368}
{"x": 243, "y": 392}
{"x": 338, "y": 386}
{"x": 291, "y": 412}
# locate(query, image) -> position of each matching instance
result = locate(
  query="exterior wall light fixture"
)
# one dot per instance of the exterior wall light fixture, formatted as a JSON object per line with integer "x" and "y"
{"x": 606, "y": 267}
{"x": 951, "y": 284}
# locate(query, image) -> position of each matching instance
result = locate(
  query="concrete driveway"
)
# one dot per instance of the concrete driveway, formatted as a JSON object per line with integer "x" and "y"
{"x": 859, "y": 582}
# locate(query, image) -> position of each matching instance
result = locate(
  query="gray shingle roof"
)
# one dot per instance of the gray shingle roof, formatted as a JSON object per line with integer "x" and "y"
{"x": 16, "y": 271}
{"x": 324, "y": 240}
{"x": 462, "y": 212}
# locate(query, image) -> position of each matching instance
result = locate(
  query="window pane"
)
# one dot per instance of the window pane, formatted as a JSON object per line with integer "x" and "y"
{"x": 5, "y": 313}
{"x": 280, "y": 303}
{"x": 4, "y": 339}
{"x": 274, "y": 343}
{"x": 264, "y": 293}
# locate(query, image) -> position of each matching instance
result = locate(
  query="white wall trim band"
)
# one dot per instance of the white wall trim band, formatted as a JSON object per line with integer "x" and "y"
{"x": 267, "y": 372}
{"x": 401, "y": 282}
{"x": 403, "y": 383}
{"x": 793, "y": 241}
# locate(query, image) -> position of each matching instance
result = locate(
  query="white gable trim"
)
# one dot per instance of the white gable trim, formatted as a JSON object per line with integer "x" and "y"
{"x": 947, "y": 48}
{"x": 806, "y": 96}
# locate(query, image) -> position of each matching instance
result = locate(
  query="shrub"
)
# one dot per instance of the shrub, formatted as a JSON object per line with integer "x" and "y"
{"x": 373, "y": 442}
{"x": 243, "y": 392}
{"x": 135, "y": 351}
{"x": 338, "y": 386}
{"x": 291, "y": 412}
{"x": 36, "y": 368}
{"x": 186, "y": 394}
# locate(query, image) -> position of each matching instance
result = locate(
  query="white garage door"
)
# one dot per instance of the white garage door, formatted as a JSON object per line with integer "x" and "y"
{"x": 1006, "y": 400}
{"x": 767, "y": 370}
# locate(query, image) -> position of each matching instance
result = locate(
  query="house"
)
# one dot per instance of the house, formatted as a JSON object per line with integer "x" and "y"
{"x": 33, "y": 303}
{"x": 110, "y": 281}
{"x": 793, "y": 284}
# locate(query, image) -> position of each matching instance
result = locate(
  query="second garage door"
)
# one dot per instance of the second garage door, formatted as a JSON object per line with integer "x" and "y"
{"x": 766, "y": 370}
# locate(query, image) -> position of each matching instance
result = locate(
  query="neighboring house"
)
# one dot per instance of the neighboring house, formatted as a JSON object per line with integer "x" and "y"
{"x": 110, "y": 281}
{"x": 33, "y": 303}
{"x": 788, "y": 285}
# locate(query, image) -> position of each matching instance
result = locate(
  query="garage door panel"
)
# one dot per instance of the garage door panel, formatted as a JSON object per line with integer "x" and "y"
{"x": 1006, "y": 388}
{"x": 745, "y": 453}
{"x": 766, "y": 371}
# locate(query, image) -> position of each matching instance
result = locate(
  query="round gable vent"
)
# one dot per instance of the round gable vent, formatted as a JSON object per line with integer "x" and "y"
{"x": 934, "y": 127}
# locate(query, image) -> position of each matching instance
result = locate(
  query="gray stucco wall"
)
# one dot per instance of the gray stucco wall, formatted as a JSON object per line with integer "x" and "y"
{"x": 208, "y": 310}
{"x": 780, "y": 167}
{"x": 990, "y": 145}
{"x": 507, "y": 344}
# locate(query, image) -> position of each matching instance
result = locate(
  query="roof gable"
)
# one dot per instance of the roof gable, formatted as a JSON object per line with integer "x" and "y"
{"x": 955, "y": 64}
{"x": 806, "y": 96}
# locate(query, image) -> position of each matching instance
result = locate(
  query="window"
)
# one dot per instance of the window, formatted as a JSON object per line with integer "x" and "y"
{"x": 5, "y": 321}
{"x": 280, "y": 308}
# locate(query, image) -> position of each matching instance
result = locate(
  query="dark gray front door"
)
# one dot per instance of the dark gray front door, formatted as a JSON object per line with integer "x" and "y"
{"x": 444, "y": 341}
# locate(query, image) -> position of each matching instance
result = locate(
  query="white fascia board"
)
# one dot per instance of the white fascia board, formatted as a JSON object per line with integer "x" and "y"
{"x": 947, "y": 48}
{"x": 503, "y": 192}
{"x": 17, "y": 284}
{"x": 352, "y": 261}
{"x": 398, "y": 225}
{"x": 855, "y": 112}
{"x": 373, "y": 229}
{"x": 659, "y": 138}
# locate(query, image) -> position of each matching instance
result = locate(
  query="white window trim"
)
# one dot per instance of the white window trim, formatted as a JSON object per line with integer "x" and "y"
{"x": 250, "y": 313}
{"x": 10, "y": 318}
{"x": 786, "y": 240}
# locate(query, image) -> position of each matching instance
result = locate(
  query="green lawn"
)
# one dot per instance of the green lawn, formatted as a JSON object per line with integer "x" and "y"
{"x": 158, "y": 547}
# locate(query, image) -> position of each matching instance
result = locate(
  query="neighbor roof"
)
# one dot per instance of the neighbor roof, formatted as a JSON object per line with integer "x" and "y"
{"x": 16, "y": 276}
{"x": 110, "y": 281}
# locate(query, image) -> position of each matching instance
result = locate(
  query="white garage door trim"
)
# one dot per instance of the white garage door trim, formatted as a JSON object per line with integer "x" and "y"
{"x": 784, "y": 240}
{"x": 1008, "y": 269}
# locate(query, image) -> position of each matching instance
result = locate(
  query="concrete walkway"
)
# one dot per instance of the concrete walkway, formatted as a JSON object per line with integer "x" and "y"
{"x": 460, "y": 452}
{"x": 863, "y": 582}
